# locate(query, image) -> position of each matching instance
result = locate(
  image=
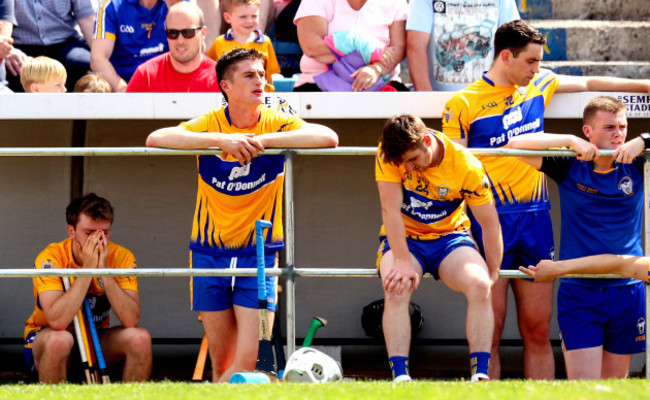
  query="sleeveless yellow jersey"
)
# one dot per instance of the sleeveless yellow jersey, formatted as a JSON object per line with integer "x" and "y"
{"x": 432, "y": 205}
{"x": 59, "y": 255}
{"x": 232, "y": 197}
{"x": 488, "y": 116}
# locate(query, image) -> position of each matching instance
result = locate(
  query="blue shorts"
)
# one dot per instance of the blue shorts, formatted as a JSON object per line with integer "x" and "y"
{"x": 430, "y": 253}
{"x": 27, "y": 351}
{"x": 218, "y": 293}
{"x": 612, "y": 317}
{"x": 527, "y": 238}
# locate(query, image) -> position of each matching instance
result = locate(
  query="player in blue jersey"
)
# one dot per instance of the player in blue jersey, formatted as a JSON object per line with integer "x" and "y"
{"x": 424, "y": 181}
{"x": 127, "y": 33}
{"x": 509, "y": 101}
{"x": 234, "y": 190}
{"x": 602, "y": 207}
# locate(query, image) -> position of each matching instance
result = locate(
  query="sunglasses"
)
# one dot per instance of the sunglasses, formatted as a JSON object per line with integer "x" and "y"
{"x": 188, "y": 33}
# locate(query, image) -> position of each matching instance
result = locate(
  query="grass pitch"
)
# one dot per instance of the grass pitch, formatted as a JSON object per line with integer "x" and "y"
{"x": 504, "y": 390}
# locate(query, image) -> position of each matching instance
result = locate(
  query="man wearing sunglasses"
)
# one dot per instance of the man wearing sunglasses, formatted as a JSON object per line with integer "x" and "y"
{"x": 127, "y": 33}
{"x": 235, "y": 189}
{"x": 184, "y": 68}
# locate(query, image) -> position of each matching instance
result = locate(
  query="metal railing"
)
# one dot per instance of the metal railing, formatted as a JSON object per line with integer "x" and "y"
{"x": 290, "y": 272}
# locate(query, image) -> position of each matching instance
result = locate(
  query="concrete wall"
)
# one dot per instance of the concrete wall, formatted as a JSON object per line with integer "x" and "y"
{"x": 35, "y": 192}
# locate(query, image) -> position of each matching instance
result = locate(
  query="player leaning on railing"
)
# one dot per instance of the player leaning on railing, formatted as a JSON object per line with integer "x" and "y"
{"x": 508, "y": 101}
{"x": 236, "y": 189}
{"x": 602, "y": 207}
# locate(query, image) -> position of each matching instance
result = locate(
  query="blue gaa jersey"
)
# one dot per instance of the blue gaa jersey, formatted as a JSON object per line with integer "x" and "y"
{"x": 138, "y": 33}
{"x": 432, "y": 204}
{"x": 488, "y": 116}
{"x": 601, "y": 211}
{"x": 231, "y": 197}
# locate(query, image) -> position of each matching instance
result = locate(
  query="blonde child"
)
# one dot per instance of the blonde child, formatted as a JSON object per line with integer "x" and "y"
{"x": 43, "y": 75}
{"x": 244, "y": 16}
{"x": 92, "y": 83}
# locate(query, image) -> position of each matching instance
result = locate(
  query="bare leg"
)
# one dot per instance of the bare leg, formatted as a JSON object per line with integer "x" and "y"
{"x": 615, "y": 365}
{"x": 464, "y": 271}
{"x": 584, "y": 363}
{"x": 221, "y": 329}
{"x": 500, "y": 307}
{"x": 248, "y": 322}
{"x": 133, "y": 345}
{"x": 233, "y": 338}
{"x": 534, "y": 309}
{"x": 51, "y": 350}
{"x": 396, "y": 320}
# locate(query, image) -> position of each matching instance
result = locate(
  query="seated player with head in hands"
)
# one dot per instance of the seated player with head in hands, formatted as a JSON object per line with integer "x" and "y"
{"x": 48, "y": 334}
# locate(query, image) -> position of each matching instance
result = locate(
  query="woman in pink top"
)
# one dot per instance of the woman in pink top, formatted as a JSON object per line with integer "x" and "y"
{"x": 383, "y": 19}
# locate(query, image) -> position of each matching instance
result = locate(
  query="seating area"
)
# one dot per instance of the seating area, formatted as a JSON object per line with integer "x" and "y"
{"x": 589, "y": 37}
{"x": 585, "y": 37}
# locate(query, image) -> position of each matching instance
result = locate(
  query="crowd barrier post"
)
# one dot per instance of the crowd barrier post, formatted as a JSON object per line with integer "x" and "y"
{"x": 289, "y": 236}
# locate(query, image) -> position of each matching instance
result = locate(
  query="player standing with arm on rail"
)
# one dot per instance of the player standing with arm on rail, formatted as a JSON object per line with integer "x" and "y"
{"x": 509, "y": 100}
{"x": 602, "y": 210}
{"x": 423, "y": 180}
{"x": 234, "y": 190}
{"x": 48, "y": 333}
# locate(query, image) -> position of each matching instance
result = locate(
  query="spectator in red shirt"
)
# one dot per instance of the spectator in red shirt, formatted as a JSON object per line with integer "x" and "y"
{"x": 184, "y": 68}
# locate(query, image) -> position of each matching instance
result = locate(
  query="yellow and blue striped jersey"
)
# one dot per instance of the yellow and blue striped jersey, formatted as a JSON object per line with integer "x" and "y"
{"x": 432, "y": 204}
{"x": 59, "y": 255}
{"x": 231, "y": 197}
{"x": 488, "y": 116}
